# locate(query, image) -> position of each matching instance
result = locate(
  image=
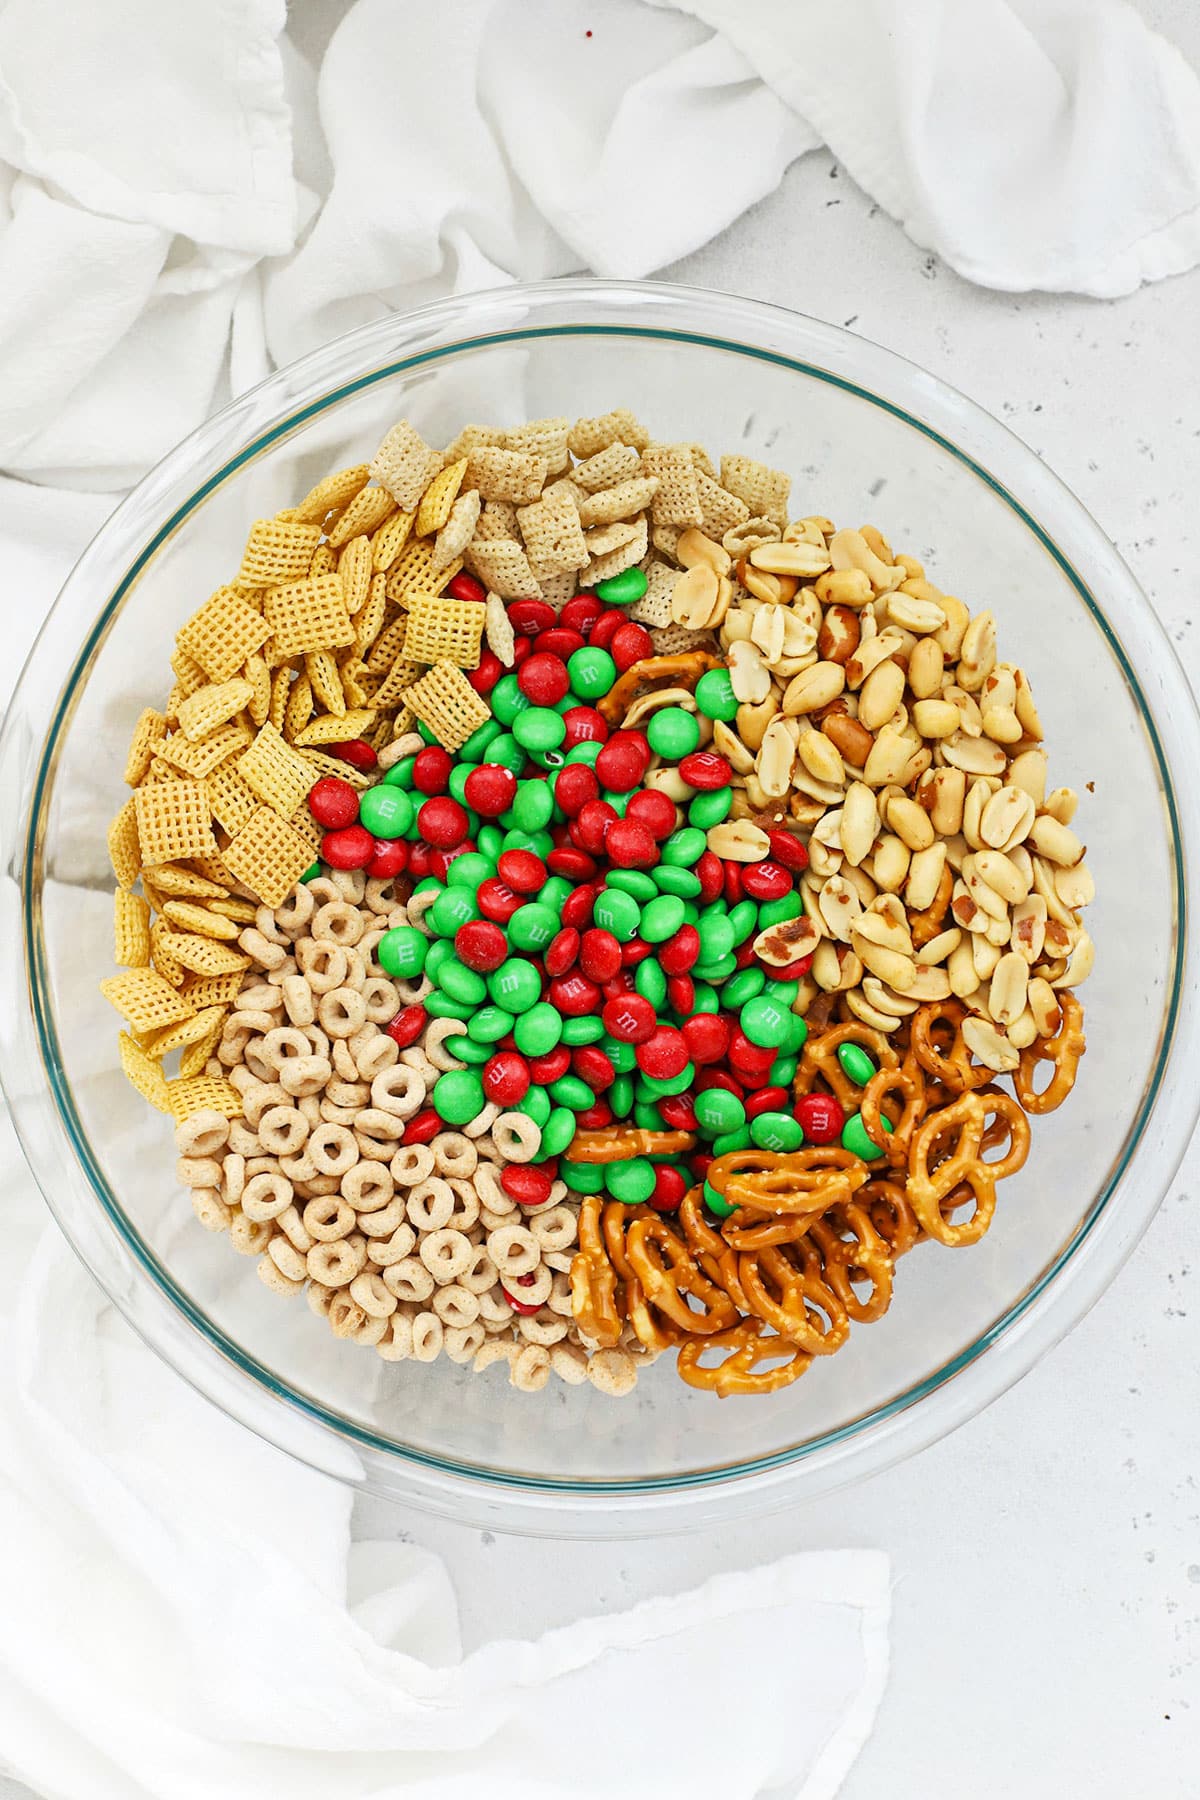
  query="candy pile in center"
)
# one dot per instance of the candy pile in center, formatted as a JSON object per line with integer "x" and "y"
{"x": 600, "y": 955}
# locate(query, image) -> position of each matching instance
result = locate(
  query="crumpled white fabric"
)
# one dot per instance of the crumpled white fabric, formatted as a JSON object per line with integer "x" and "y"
{"x": 190, "y": 194}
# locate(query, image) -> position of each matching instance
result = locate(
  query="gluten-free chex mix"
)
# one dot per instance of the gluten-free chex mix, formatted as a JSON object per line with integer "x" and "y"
{"x": 574, "y": 908}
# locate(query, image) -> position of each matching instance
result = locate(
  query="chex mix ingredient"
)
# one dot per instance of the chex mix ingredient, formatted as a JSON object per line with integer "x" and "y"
{"x": 586, "y": 911}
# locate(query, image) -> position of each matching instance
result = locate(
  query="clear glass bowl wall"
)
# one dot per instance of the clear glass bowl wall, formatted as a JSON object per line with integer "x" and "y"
{"x": 866, "y": 438}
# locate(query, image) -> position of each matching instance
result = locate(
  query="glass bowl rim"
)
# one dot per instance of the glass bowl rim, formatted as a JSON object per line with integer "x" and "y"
{"x": 683, "y": 309}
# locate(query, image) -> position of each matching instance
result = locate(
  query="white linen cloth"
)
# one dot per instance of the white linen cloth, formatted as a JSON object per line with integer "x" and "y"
{"x": 188, "y": 193}
{"x": 187, "y": 196}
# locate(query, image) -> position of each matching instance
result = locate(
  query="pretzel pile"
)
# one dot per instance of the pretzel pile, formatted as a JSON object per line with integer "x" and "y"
{"x": 812, "y": 1244}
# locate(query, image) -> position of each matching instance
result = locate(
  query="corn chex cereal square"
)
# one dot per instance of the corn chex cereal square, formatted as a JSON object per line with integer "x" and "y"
{"x": 403, "y": 672}
{"x": 203, "y": 1093}
{"x": 188, "y": 674}
{"x": 199, "y": 760}
{"x": 145, "y": 999}
{"x": 171, "y": 880}
{"x": 413, "y": 572}
{"x": 204, "y": 955}
{"x": 335, "y": 728}
{"x": 365, "y": 514}
{"x": 354, "y": 570}
{"x": 147, "y": 733}
{"x": 405, "y": 464}
{"x": 307, "y": 615}
{"x": 131, "y": 930}
{"x": 441, "y": 630}
{"x": 188, "y": 1031}
{"x": 268, "y": 856}
{"x": 497, "y": 519}
{"x": 446, "y": 702}
{"x": 438, "y": 498}
{"x": 212, "y": 990}
{"x": 193, "y": 1060}
{"x": 142, "y": 1071}
{"x": 332, "y": 493}
{"x": 321, "y": 668}
{"x": 213, "y": 705}
{"x": 276, "y": 773}
{"x": 187, "y": 915}
{"x": 124, "y": 850}
{"x": 277, "y": 551}
{"x": 173, "y": 821}
{"x": 225, "y": 631}
{"x": 305, "y": 826}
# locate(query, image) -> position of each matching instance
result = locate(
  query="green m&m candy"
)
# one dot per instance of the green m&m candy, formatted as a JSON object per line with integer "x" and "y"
{"x": 631, "y": 1181}
{"x": 539, "y": 728}
{"x": 855, "y": 1137}
{"x": 622, "y": 589}
{"x": 766, "y": 1022}
{"x": 462, "y": 983}
{"x": 709, "y": 809}
{"x": 776, "y": 1131}
{"x": 468, "y": 870}
{"x": 684, "y": 847}
{"x": 453, "y": 907}
{"x": 618, "y": 912}
{"x": 515, "y": 985}
{"x": 387, "y": 812}
{"x": 458, "y": 1096}
{"x": 715, "y": 696}
{"x": 489, "y": 1024}
{"x": 508, "y": 702}
{"x": 592, "y": 673}
{"x": 661, "y": 918}
{"x": 719, "y": 1112}
{"x": 534, "y": 805}
{"x": 715, "y": 1203}
{"x": 535, "y": 1106}
{"x": 588, "y": 1030}
{"x": 673, "y": 733}
{"x": 538, "y": 1029}
{"x": 402, "y": 951}
{"x": 583, "y": 1178}
{"x": 312, "y": 871}
{"x": 557, "y": 1133}
{"x": 532, "y": 927}
{"x": 857, "y": 1064}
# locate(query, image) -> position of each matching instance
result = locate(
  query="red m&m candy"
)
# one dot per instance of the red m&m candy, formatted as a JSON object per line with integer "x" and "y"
{"x": 481, "y": 945}
{"x": 528, "y": 1186}
{"x": 705, "y": 770}
{"x": 822, "y": 1118}
{"x": 389, "y": 858}
{"x": 630, "y": 644}
{"x": 357, "y": 752}
{"x": 630, "y": 1019}
{"x": 490, "y": 789}
{"x": 465, "y": 587}
{"x": 333, "y": 803}
{"x": 431, "y": 769}
{"x": 766, "y": 880}
{"x": 352, "y": 848}
{"x": 543, "y": 679}
{"x": 664, "y": 1054}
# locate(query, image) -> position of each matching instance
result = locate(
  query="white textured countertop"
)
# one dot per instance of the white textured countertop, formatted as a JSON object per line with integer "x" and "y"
{"x": 1046, "y": 1636}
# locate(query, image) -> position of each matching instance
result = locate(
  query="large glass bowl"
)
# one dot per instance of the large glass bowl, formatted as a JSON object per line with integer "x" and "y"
{"x": 866, "y": 437}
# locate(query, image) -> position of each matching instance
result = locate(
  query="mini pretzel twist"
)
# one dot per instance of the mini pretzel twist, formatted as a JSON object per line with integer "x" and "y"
{"x": 1063, "y": 1051}
{"x": 748, "y": 1344}
{"x": 819, "y": 1059}
{"x": 951, "y": 1063}
{"x": 906, "y": 1083}
{"x": 802, "y": 1182}
{"x": 652, "y": 672}
{"x": 670, "y": 1278}
{"x": 940, "y": 1178}
{"x": 593, "y": 1280}
{"x": 619, "y": 1142}
{"x": 791, "y": 1296}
